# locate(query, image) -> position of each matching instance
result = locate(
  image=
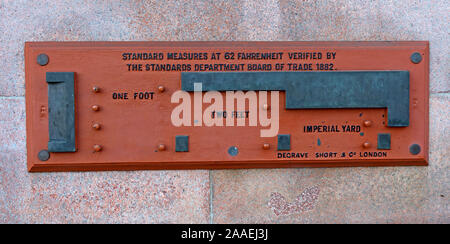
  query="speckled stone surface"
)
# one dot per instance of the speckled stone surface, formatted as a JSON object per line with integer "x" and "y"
{"x": 346, "y": 195}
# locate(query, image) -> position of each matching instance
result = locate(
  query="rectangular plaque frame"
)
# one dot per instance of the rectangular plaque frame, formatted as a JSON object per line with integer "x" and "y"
{"x": 382, "y": 88}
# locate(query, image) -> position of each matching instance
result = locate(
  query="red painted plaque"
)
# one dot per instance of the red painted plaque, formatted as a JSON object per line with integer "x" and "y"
{"x": 212, "y": 105}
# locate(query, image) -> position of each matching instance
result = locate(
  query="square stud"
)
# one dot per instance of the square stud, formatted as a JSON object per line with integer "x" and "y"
{"x": 284, "y": 142}
{"x": 384, "y": 141}
{"x": 182, "y": 144}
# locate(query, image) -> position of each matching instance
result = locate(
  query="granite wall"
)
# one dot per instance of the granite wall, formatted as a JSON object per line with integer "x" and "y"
{"x": 331, "y": 195}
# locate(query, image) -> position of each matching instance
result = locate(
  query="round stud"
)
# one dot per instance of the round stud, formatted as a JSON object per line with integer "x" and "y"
{"x": 233, "y": 151}
{"x": 42, "y": 59}
{"x": 95, "y": 108}
{"x": 161, "y": 88}
{"x": 161, "y": 147}
{"x": 97, "y": 148}
{"x": 96, "y": 89}
{"x": 414, "y": 149}
{"x": 416, "y": 58}
{"x": 366, "y": 144}
{"x": 266, "y": 146}
{"x": 96, "y": 126}
{"x": 367, "y": 123}
{"x": 266, "y": 106}
{"x": 43, "y": 155}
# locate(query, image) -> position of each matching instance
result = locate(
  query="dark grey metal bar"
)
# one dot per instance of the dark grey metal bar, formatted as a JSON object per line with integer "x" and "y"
{"x": 61, "y": 111}
{"x": 316, "y": 90}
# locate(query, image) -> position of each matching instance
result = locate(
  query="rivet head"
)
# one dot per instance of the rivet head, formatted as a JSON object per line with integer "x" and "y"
{"x": 266, "y": 106}
{"x": 43, "y": 155}
{"x": 96, "y": 126}
{"x": 416, "y": 58}
{"x": 95, "y": 107}
{"x": 266, "y": 146}
{"x": 367, "y": 123}
{"x": 161, "y": 147}
{"x": 97, "y": 148}
{"x": 366, "y": 144}
{"x": 95, "y": 89}
{"x": 42, "y": 59}
{"x": 414, "y": 149}
{"x": 161, "y": 88}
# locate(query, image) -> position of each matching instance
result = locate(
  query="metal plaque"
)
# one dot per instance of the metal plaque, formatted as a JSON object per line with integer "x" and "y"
{"x": 211, "y": 105}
